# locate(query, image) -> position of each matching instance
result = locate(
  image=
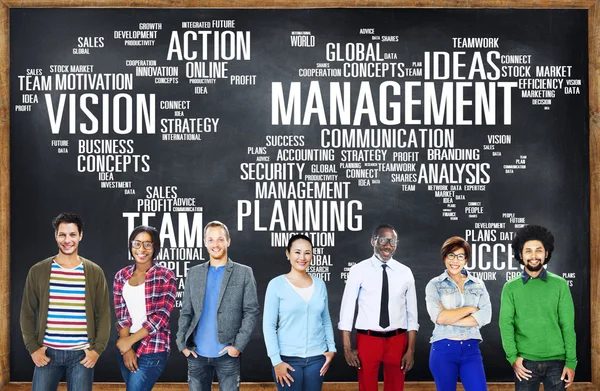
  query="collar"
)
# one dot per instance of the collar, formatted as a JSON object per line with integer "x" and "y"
{"x": 131, "y": 269}
{"x": 526, "y": 277}
{"x": 464, "y": 272}
{"x": 227, "y": 265}
{"x": 376, "y": 262}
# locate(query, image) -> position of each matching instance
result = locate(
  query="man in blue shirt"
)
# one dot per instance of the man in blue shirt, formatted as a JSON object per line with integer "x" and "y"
{"x": 219, "y": 311}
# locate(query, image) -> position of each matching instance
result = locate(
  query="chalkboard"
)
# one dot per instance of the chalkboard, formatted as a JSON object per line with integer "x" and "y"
{"x": 439, "y": 122}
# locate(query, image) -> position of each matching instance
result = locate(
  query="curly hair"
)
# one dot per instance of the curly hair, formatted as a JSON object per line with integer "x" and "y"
{"x": 532, "y": 232}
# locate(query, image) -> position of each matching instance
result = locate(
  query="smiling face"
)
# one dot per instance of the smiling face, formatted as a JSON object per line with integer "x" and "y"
{"x": 385, "y": 244}
{"x": 300, "y": 255}
{"x": 454, "y": 265}
{"x": 216, "y": 242}
{"x": 144, "y": 254}
{"x": 534, "y": 255}
{"x": 67, "y": 237}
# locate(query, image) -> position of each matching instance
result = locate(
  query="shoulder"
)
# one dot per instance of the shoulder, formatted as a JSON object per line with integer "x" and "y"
{"x": 243, "y": 269}
{"x": 476, "y": 281}
{"x": 555, "y": 278}
{"x": 277, "y": 280}
{"x": 89, "y": 265}
{"x": 362, "y": 265}
{"x": 401, "y": 268}
{"x": 437, "y": 279}
{"x": 512, "y": 284}
{"x": 240, "y": 266}
{"x": 197, "y": 269}
{"x": 319, "y": 283}
{"x": 164, "y": 271}
{"x": 41, "y": 265}
{"x": 121, "y": 273}
{"x": 552, "y": 276}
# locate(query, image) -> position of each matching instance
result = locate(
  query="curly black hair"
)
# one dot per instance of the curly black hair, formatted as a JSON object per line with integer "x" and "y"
{"x": 532, "y": 232}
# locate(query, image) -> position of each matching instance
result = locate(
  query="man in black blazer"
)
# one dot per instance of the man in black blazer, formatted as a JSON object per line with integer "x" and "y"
{"x": 219, "y": 311}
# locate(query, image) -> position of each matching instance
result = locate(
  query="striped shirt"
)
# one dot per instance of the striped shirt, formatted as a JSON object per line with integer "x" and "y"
{"x": 66, "y": 328}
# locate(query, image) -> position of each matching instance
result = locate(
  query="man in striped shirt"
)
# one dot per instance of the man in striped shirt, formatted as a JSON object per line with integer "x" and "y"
{"x": 65, "y": 313}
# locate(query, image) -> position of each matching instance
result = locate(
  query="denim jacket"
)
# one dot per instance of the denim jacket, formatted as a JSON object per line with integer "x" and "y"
{"x": 442, "y": 289}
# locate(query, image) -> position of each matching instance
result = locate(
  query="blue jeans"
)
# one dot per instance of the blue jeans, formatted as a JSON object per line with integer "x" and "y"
{"x": 79, "y": 378}
{"x": 306, "y": 373}
{"x": 150, "y": 367}
{"x": 547, "y": 372}
{"x": 448, "y": 359}
{"x": 201, "y": 372}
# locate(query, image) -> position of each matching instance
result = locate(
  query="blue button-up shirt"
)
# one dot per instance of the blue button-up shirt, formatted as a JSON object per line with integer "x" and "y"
{"x": 442, "y": 289}
{"x": 525, "y": 277}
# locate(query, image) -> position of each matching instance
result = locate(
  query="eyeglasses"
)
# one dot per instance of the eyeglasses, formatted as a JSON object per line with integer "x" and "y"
{"x": 138, "y": 244}
{"x": 383, "y": 241}
{"x": 460, "y": 257}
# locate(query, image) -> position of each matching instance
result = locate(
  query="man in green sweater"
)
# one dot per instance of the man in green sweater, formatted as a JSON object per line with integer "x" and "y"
{"x": 537, "y": 317}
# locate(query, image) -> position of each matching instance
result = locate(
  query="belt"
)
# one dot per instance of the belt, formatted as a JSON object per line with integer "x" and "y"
{"x": 381, "y": 334}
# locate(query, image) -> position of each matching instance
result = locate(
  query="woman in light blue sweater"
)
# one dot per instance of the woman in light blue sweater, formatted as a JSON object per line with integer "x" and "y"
{"x": 296, "y": 323}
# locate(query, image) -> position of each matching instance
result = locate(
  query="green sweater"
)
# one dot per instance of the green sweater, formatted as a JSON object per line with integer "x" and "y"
{"x": 537, "y": 320}
{"x": 36, "y": 299}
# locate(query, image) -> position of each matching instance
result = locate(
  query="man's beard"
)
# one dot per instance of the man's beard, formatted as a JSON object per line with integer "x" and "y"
{"x": 534, "y": 268}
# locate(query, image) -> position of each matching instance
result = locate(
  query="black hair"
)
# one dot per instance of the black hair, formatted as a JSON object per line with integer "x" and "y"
{"x": 295, "y": 237}
{"x": 153, "y": 232}
{"x": 68, "y": 218}
{"x": 380, "y": 227}
{"x": 532, "y": 232}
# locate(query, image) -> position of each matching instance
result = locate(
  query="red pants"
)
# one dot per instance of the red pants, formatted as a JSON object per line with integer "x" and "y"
{"x": 372, "y": 351}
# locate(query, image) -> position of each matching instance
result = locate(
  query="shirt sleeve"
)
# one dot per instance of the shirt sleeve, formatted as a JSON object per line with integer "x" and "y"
{"x": 250, "y": 311}
{"x": 412, "y": 315}
{"x": 270, "y": 315}
{"x": 506, "y": 322}
{"x": 102, "y": 312}
{"x": 163, "y": 304}
{"x": 349, "y": 299}
{"x": 121, "y": 311}
{"x": 186, "y": 313}
{"x": 484, "y": 315}
{"x": 327, "y": 326}
{"x": 29, "y": 307}
{"x": 432, "y": 298}
{"x": 566, "y": 320}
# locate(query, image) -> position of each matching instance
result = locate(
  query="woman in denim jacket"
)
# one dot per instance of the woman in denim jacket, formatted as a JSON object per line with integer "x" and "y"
{"x": 459, "y": 305}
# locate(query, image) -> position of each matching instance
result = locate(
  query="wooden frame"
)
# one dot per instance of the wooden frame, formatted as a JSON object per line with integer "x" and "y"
{"x": 593, "y": 7}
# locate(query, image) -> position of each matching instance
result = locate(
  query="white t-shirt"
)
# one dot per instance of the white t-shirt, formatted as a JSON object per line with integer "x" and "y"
{"x": 135, "y": 298}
